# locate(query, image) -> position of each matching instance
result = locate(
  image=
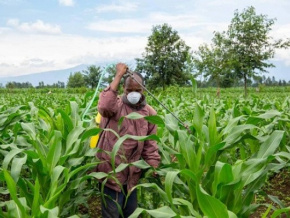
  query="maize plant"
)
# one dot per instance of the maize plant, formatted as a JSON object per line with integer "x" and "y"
{"x": 214, "y": 170}
{"x": 44, "y": 161}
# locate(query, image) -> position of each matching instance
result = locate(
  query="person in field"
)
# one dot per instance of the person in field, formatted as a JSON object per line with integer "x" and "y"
{"x": 112, "y": 107}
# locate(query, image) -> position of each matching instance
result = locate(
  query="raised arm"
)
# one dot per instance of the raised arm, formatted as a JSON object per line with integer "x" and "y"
{"x": 121, "y": 69}
{"x": 107, "y": 105}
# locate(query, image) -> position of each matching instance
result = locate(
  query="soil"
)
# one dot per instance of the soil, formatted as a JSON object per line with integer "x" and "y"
{"x": 95, "y": 207}
{"x": 4, "y": 198}
{"x": 279, "y": 186}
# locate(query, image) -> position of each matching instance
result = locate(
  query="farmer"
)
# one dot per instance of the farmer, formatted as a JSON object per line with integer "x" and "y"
{"x": 112, "y": 107}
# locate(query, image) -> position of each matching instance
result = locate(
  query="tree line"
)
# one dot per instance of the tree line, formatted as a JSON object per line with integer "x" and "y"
{"x": 20, "y": 85}
{"x": 238, "y": 56}
{"x": 81, "y": 79}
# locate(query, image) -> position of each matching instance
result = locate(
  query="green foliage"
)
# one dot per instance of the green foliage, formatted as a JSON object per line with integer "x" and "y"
{"x": 220, "y": 167}
{"x": 250, "y": 43}
{"x": 241, "y": 52}
{"x": 45, "y": 158}
{"x": 215, "y": 171}
{"x": 76, "y": 80}
{"x": 13, "y": 85}
{"x": 165, "y": 59}
{"x": 212, "y": 62}
{"x": 92, "y": 76}
{"x": 59, "y": 84}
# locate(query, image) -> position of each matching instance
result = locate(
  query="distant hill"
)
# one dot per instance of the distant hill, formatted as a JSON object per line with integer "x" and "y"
{"x": 48, "y": 77}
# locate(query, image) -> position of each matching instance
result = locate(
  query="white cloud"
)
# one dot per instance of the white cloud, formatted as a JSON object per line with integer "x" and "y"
{"x": 194, "y": 30}
{"x": 36, "y": 62}
{"x": 283, "y": 55}
{"x": 4, "y": 30}
{"x": 26, "y": 66}
{"x": 120, "y": 26}
{"x": 66, "y": 2}
{"x": 31, "y": 53}
{"x": 193, "y": 40}
{"x": 281, "y": 31}
{"x": 124, "y": 7}
{"x": 144, "y": 25}
{"x": 25, "y": 54}
{"x": 185, "y": 21}
{"x": 35, "y": 27}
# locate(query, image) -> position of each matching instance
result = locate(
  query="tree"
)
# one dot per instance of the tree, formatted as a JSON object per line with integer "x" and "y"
{"x": 59, "y": 84}
{"x": 76, "y": 80}
{"x": 41, "y": 84}
{"x": 250, "y": 45}
{"x": 212, "y": 61}
{"x": 11, "y": 85}
{"x": 274, "y": 82}
{"x": 165, "y": 58}
{"x": 92, "y": 75}
{"x": 264, "y": 78}
{"x": 268, "y": 81}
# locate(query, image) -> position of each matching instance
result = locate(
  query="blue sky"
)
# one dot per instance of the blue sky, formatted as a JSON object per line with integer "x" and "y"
{"x": 37, "y": 36}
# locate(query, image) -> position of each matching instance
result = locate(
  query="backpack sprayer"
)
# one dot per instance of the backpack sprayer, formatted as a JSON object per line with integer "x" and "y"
{"x": 94, "y": 139}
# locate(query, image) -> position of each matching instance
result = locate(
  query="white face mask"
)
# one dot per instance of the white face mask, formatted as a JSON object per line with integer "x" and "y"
{"x": 134, "y": 97}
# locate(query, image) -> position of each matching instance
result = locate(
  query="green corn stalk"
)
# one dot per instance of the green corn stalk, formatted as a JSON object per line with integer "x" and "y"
{"x": 235, "y": 143}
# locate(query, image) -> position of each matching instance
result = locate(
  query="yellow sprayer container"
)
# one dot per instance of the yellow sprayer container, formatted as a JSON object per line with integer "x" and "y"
{"x": 95, "y": 139}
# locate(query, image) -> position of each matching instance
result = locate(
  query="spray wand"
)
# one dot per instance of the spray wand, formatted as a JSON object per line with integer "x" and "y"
{"x": 130, "y": 73}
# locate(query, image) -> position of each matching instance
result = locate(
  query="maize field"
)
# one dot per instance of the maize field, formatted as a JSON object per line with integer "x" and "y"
{"x": 215, "y": 170}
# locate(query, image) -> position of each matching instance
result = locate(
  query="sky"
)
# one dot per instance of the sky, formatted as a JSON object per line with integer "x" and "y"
{"x": 38, "y": 36}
